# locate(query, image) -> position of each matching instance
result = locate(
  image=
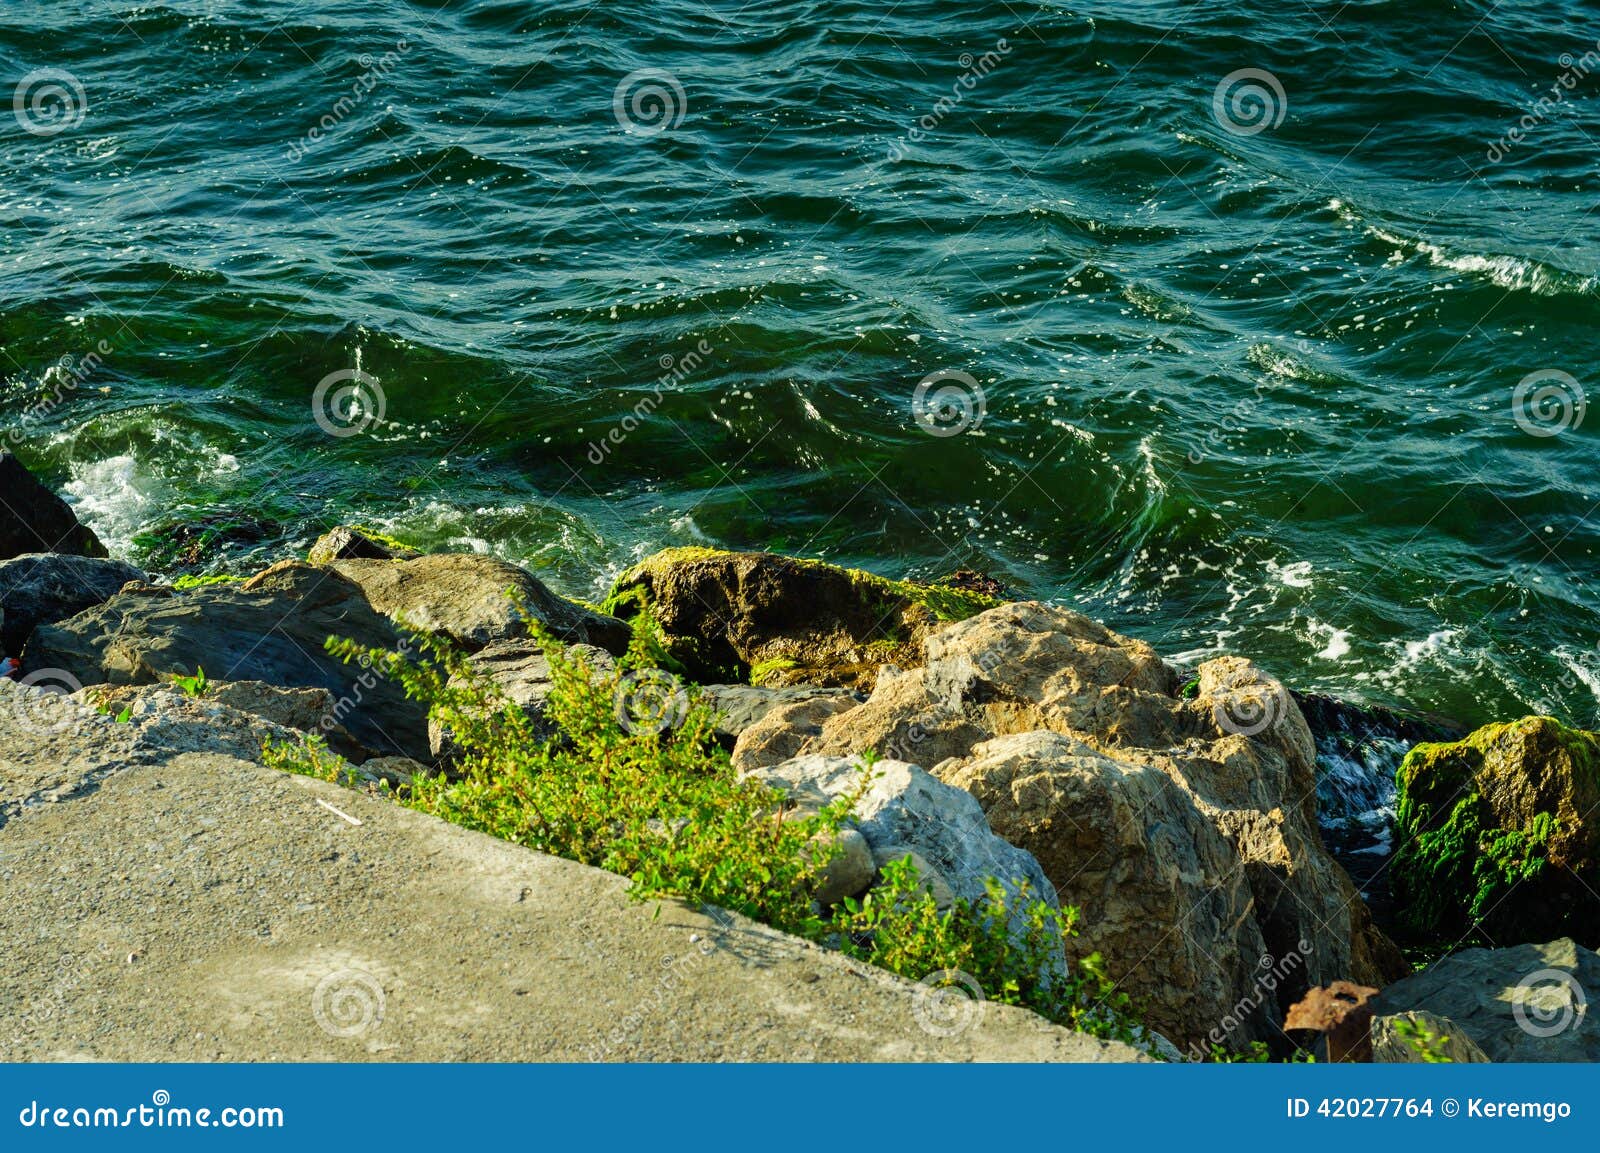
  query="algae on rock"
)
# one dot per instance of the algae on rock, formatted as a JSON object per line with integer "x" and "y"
{"x": 1497, "y": 834}
{"x": 778, "y": 620}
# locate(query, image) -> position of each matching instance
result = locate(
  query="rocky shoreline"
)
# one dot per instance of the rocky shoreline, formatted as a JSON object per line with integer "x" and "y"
{"x": 1190, "y": 816}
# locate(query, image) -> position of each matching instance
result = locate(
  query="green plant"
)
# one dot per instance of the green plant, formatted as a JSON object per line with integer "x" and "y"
{"x": 662, "y": 804}
{"x": 1009, "y": 942}
{"x": 1255, "y": 1053}
{"x": 762, "y": 670}
{"x": 311, "y": 757}
{"x": 1430, "y": 1047}
{"x": 195, "y": 686}
{"x": 186, "y": 583}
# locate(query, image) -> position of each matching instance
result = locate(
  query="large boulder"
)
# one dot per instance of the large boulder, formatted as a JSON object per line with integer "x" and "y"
{"x": 42, "y": 588}
{"x": 1525, "y": 1003}
{"x": 1499, "y": 834}
{"x": 1182, "y": 819}
{"x": 467, "y": 597}
{"x": 775, "y": 620}
{"x": 271, "y": 628}
{"x": 34, "y": 519}
{"x": 1161, "y": 890}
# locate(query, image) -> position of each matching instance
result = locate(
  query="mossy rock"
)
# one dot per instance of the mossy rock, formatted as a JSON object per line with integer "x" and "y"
{"x": 1499, "y": 835}
{"x": 781, "y": 620}
{"x": 356, "y": 542}
{"x": 195, "y": 544}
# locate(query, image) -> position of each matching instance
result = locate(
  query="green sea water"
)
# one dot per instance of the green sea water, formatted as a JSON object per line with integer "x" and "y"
{"x": 1260, "y": 328}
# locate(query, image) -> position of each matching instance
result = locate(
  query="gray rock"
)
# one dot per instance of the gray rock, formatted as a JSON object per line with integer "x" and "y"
{"x": 270, "y": 628}
{"x": 932, "y": 881}
{"x": 305, "y": 710}
{"x": 34, "y": 519}
{"x": 1450, "y": 1041}
{"x": 850, "y": 872}
{"x": 1525, "y": 1003}
{"x": 43, "y": 588}
{"x": 467, "y": 597}
{"x": 906, "y": 808}
{"x": 43, "y": 724}
{"x": 396, "y": 771}
{"x": 739, "y": 707}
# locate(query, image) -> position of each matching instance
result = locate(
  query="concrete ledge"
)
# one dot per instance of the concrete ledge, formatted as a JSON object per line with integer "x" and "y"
{"x": 205, "y": 908}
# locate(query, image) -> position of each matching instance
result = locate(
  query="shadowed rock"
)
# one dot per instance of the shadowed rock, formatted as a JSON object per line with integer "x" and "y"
{"x": 271, "y": 628}
{"x": 347, "y": 543}
{"x": 42, "y": 588}
{"x": 1528, "y": 1003}
{"x": 34, "y": 519}
{"x": 1499, "y": 834}
{"x": 776, "y": 620}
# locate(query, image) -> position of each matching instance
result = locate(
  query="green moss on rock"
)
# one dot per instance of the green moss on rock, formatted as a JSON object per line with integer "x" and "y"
{"x": 785, "y": 620}
{"x": 1497, "y": 834}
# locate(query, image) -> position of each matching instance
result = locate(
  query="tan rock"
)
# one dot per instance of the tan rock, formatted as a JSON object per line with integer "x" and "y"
{"x": 782, "y": 732}
{"x": 1163, "y": 895}
{"x": 1185, "y": 829}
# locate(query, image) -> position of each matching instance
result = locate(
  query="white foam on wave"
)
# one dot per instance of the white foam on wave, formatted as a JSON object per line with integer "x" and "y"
{"x": 1338, "y": 640}
{"x": 1434, "y": 642}
{"x": 1509, "y": 272}
{"x": 1583, "y": 665}
{"x": 114, "y": 498}
{"x": 1295, "y": 575}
